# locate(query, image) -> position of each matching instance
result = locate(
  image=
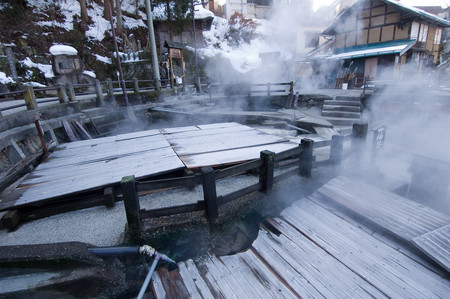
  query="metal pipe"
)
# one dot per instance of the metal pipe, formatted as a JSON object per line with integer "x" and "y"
{"x": 37, "y": 122}
{"x": 149, "y": 276}
{"x": 114, "y": 251}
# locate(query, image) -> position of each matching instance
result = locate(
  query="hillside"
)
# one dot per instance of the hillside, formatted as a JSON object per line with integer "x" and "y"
{"x": 32, "y": 27}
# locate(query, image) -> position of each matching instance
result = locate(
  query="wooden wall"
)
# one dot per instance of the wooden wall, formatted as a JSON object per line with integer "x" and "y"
{"x": 376, "y": 22}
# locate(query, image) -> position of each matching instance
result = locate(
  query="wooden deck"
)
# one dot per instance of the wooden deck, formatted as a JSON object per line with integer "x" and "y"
{"x": 82, "y": 166}
{"x": 312, "y": 250}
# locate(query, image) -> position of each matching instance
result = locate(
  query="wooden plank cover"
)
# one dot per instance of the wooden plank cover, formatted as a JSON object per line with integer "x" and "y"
{"x": 436, "y": 245}
{"x": 316, "y": 253}
{"x": 76, "y": 168}
{"x": 405, "y": 218}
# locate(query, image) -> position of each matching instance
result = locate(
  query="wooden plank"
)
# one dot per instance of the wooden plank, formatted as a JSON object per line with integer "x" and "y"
{"x": 218, "y": 143}
{"x": 233, "y": 156}
{"x": 69, "y": 130}
{"x": 374, "y": 231}
{"x": 207, "y": 132}
{"x": 110, "y": 149}
{"x": 319, "y": 267}
{"x": 158, "y": 289}
{"x": 244, "y": 276}
{"x": 90, "y": 181}
{"x": 273, "y": 286}
{"x": 224, "y": 274}
{"x": 209, "y": 280}
{"x": 200, "y": 284}
{"x": 189, "y": 281}
{"x": 436, "y": 245}
{"x": 178, "y": 129}
{"x": 405, "y": 218}
{"x": 113, "y": 164}
{"x": 220, "y": 125}
{"x": 387, "y": 269}
{"x": 288, "y": 271}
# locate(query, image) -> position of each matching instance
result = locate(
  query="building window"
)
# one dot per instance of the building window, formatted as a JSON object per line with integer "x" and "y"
{"x": 423, "y": 33}
{"x": 415, "y": 30}
{"x": 419, "y": 32}
{"x": 438, "y": 36}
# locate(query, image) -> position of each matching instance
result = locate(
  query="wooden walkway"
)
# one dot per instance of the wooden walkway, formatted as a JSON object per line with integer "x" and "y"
{"x": 83, "y": 166}
{"x": 311, "y": 250}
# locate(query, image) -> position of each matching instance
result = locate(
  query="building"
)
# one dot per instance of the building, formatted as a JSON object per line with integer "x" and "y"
{"x": 376, "y": 37}
{"x": 258, "y": 9}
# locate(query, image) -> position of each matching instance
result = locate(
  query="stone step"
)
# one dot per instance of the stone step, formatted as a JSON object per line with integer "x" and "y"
{"x": 341, "y": 108}
{"x": 348, "y": 98}
{"x": 342, "y": 114}
{"x": 342, "y": 103}
{"x": 339, "y": 121}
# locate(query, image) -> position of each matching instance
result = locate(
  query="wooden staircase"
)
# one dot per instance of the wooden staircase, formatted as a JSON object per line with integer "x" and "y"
{"x": 343, "y": 110}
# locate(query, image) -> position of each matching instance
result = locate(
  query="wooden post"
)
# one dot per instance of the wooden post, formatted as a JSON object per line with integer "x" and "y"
{"x": 268, "y": 89}
{"x": 136, "y": 85}
{"x": 132, "y": 207}
{"x": 210, "y": 193}
{"x": 109, "y": 87}
{"x": 359, "y": 134}
{"x": 99, "y": 93}
{"x": 267, "y": 169}
{"x": 71, "y": 92}
{"x": 30, "y": 98}
{"x": 62, "y": 94}
{"x": 337, "y": 145}
{"x": 306, "y": 157}
{"x": 108, "y": 197}
{"x": 11, "y": 219}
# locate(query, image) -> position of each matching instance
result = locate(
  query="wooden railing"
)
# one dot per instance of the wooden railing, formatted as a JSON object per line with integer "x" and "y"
{"x": 32, "y": 97}
{"x": 301, "y": 157}
{"x": 251, "y": 90}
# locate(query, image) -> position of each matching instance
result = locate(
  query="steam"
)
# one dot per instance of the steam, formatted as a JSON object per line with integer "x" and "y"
{"x": 416, "y": 115}
{"x": 280, "y": 35}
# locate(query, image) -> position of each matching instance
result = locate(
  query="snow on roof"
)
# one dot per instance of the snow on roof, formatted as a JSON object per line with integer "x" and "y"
{"x": 62, "y": 50}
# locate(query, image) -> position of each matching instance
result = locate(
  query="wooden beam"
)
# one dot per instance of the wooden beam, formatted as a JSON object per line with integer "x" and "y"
{"x": 306, "y": 157}
{"x": 132, "y": 207}
{"x": 210, "y": 193}
{"x": 267, "y": 169}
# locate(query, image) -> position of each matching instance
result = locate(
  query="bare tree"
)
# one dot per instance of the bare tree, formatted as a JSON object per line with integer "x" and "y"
{"x": 119, "y": 17}
{"x": 84, "y": 14}
{"x": 108, "y": 8}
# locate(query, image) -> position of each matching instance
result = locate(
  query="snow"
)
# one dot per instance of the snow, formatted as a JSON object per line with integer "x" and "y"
{"x": 34, "y": 84}
{"x": 63, "y": 50}
{"x": 4, "y": 79}
{"x": 202, "y": 13}
{"x": 103, "y": 59}
{"x": 90, "y": 73}
{"x": 45, "y": 68}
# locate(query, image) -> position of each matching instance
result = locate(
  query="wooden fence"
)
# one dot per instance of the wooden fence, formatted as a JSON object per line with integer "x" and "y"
{"x": 265, "y": 166}
{"x": 32, "y": 97}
